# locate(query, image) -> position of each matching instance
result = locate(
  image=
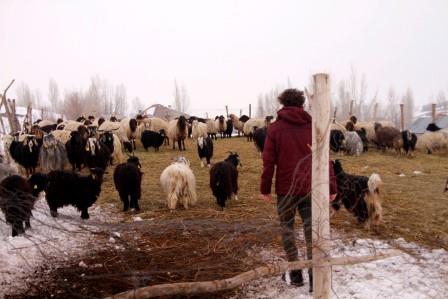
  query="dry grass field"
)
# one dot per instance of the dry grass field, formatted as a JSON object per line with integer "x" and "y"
{"x": 415, "y": 206}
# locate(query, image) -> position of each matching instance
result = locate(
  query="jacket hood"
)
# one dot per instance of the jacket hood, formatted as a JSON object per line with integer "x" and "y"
{"x": 294, "y": 115}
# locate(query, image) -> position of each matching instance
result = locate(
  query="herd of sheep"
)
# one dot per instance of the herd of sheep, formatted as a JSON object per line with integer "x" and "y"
{"x": 96, "y": 143}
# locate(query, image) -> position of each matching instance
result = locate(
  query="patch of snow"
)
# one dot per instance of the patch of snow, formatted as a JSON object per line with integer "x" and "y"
{"x": 136, "y": 219}
{"x": 417, "y": 172}
{"x": 50, "y": 240}
{"x": 401, "y": 175}
{"x": 424, "y": 274}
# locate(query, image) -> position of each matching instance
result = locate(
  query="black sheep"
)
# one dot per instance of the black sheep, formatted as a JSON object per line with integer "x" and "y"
{"x": 224, "y": 179}
{"x": 152, "y": 139}
{"x": 259, "y": 136}
{"x": 205, "y": 150}
{"x": 128, "y": 181}
{"x": 76, "y": 150}
{"x": 229, "y": 130}
{"x": 244, "y": 118}
{"x": 97, "y": 154}
{"x": 337, "y": 141}
{"x": 26, "y": 153}
{"x": 17, "y": 198}
{"x": 108, "y": 139}
{"x": 68, "y": 188}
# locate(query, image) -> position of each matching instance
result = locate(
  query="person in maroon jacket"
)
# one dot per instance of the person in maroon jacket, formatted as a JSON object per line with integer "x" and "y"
{"x": 287, "y": 150}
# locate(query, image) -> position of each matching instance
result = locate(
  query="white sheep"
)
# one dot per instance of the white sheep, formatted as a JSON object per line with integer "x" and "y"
{"x": 433, "y": 141}
{"x": 153, "y": 124}
{"x": 251, "y": 124}
{"x": 212, "y": 129}
{"x": 117, "y": 155}
{"x": 198, "y": 130}
{"x": 72, "y": 125}
{"x": 62, "y": 135}
{"x": 237, "y": 124}
{"x": 178, "y": 131}
{"x": 179, "y": 184}
{"x": 221, "y": 124}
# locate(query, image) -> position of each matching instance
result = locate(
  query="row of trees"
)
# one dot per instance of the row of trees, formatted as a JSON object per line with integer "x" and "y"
{"x": 100, "y": 98}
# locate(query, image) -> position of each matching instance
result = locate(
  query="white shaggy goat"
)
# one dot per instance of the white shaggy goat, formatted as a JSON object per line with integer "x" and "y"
{"x": 179, "y": 184}
{"x": 62, "y": 135}
{"x": 198, "y": 130}
{"x": 353, "y": 143}
{"x": 433, "y": 141}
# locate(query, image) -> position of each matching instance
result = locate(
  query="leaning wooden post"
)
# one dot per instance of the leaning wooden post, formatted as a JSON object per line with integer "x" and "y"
{"x": 250, "y": 110}
{"x": 402, "y": 116}
{"x": 320, "y": 113}
{"x": 433, "y": 113}
{"x": 227, "y": 111}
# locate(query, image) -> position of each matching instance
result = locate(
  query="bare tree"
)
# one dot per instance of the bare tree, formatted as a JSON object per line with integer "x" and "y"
{"x": 408, "y": 101}
{"x": 73, "y": 104}
{"x": 260, "y": 107}
{"x": 392, "y": 111}
{"x": 181, "y": 100}
{"x": 120, "y": 100}
{"x": 24, "y": 95}
{"x": 137, "y": 105}
{"x": 53, "y": 95}
{"x": 343, "y": 102}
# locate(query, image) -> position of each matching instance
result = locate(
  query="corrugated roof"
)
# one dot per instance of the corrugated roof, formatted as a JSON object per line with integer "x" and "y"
{"x": 420, "y": 124}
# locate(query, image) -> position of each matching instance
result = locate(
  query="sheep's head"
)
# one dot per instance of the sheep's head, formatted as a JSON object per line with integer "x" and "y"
{"x": 97, "y": 174}
{"x": 182, "y": 160}
{"x": 172, "y": 202}
{"x": 135, "y": 161}
{"x": 133, "y": 124}
{"x": 38, "y": 182}
{"x": 234, "y": 158}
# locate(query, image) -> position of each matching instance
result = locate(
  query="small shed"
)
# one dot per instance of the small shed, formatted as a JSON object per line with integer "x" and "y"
{"x": 163, "y": 112}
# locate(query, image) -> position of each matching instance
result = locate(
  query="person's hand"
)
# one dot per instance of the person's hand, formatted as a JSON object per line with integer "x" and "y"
{"x": 333, "y": 197}
{"x": 265, "y": 197}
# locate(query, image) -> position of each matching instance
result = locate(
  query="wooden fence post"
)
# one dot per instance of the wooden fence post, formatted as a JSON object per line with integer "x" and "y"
{"x": 250, "y": 110}
{"x": 227, "y": 111}
{"x": 433, "y": 113}
{"x": 350, "y": 112}
{"x": 334, "y": 114}
{"x": 402, "y": 116}
{"x": 375, "y": 111}
{"x": 320, "y": 113}
{"x": 241, "y": 112}
{"x": 11, "y": 118}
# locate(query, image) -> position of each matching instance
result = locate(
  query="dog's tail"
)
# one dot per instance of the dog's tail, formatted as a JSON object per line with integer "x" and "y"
{"x": 374, "y": 183}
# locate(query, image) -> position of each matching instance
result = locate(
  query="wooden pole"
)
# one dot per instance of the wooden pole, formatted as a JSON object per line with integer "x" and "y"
{"x": 227, "y": 111}
{"x": 433, "y": 113}
{"x": 320, "y": 113}
{"x": 402, "y": 116}
{"x": 250, "y": 110}
{"x": 375, "y": 111}
{"x": 241, "y": 112}
{"x": 12, "y": 124}
{"x": 206, "y": 115}
{"x": 334, "y": 114}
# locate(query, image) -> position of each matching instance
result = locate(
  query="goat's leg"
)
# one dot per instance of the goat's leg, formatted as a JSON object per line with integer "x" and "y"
{"x": 17, "y": 228}
{"x": 85, "y": 213}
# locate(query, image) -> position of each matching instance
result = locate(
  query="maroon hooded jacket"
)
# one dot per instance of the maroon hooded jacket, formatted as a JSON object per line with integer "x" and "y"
{"x": 287, "y": 146}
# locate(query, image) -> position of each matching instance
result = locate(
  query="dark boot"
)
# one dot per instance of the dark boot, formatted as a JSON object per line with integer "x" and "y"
{"x": 310, "y": 275}
{"x": 295, "y": 277}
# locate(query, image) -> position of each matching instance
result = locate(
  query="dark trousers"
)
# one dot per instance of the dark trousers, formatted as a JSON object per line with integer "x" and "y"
{"x": 286, "y": 208}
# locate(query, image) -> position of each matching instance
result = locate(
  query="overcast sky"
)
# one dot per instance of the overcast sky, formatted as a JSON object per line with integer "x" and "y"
{"x": 224, "y": 52}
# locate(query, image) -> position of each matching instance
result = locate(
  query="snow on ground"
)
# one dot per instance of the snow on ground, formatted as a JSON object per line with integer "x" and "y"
{"x": 49, "y": 239}
{"x": 423, "y": 273}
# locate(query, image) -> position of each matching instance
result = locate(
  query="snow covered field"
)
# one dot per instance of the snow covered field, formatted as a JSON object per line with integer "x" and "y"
{"x": 416, "y": 273}
{"x": 50, "y": 239}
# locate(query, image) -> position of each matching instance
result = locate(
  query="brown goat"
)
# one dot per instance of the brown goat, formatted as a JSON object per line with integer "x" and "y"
{"x": 385, "y": 136}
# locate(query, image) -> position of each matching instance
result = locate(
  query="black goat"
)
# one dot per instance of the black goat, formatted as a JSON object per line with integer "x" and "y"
{"x": 153, "y": 139}
{"x": 224, "y": 179}
{"x": 362, "y": 133}
{"x": 359, "y": 194}
{"x": 409, "y": 141}
{"x": 205, "y": 150}
{"x": 244, "y": 118}
{"x": 337, "y": 138}
{"x": 229, "y": 130}
{"x": 76, "y": 150}
{"x": 68, "y": 188}
{"x": 26, "y": 153}
{"x": 17, "y": 198}
{"x": 128, "y": 181}
{"x": 97, "y": 154}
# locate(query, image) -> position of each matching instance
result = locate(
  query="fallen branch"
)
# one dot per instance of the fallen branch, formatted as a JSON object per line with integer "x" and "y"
{"x": 194, "y": 288}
